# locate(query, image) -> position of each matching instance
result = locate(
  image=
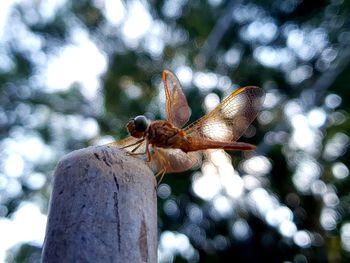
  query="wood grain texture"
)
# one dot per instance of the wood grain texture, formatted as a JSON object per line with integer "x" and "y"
{"x": 102, "y": 209}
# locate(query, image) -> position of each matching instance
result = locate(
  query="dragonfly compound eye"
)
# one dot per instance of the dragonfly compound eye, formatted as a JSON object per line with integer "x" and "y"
{"x": 141, "y": 123}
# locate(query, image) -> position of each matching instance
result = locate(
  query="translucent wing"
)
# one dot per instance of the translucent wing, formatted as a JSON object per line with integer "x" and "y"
{"x": 129, "y": 144}
{"x": 229, "y": 120}
{"x": 174, "y": 160}
{"x": 177, "y": 109}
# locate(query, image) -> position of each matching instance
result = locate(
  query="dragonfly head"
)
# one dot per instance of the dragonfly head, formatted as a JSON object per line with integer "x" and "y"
{"x": 138, "y": 126}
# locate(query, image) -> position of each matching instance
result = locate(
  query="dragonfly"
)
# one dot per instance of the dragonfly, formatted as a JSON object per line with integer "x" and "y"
{"x": 169, "y": 148}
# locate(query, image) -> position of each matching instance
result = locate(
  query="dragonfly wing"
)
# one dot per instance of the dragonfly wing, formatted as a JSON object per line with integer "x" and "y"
{"x": 175, "y": 160}
{"x": 172, "y": 160}
{"x": 129, "y": 144}
{"x": 229, "y": 120}
{"x": 177, "y": 110}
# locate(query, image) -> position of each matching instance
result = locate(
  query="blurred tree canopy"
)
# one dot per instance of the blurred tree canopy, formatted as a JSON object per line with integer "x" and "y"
{"x": 73, "y": 72}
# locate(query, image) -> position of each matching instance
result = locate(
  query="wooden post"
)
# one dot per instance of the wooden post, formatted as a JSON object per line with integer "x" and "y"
{"x": 103, "y": 208}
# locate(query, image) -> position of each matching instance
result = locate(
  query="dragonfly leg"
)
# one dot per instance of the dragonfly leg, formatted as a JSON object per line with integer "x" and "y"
{"x": 141, "y": 153}
{"x": 163, "y": 162}
{"x": 137, "y": 142}
{"x": 147, "y": 151}
{"x": 149, "y": 157}
{"x": 161, "y": 173}
{"x": 133, "y": 150}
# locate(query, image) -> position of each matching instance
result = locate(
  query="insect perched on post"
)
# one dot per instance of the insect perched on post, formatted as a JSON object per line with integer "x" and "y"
{"x": 169, "y": 148}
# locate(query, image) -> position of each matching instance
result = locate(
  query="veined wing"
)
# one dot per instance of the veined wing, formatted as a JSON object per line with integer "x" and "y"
{"x": 130, "y": 143}
{"x": 177, "y": 110}
{"x": 229, "y": 120}
{"x": 174, "y": 160}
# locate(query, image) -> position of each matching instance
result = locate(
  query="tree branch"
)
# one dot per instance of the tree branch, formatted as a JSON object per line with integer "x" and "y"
{"x": 102, "y": 209}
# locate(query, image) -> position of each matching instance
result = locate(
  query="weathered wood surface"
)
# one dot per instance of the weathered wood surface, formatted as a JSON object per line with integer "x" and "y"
{"x": 102, "y": 209}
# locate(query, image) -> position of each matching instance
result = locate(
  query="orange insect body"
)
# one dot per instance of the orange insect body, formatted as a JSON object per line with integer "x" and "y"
{"x": 165, "y": 135}
{"x": 174, "y": 149}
